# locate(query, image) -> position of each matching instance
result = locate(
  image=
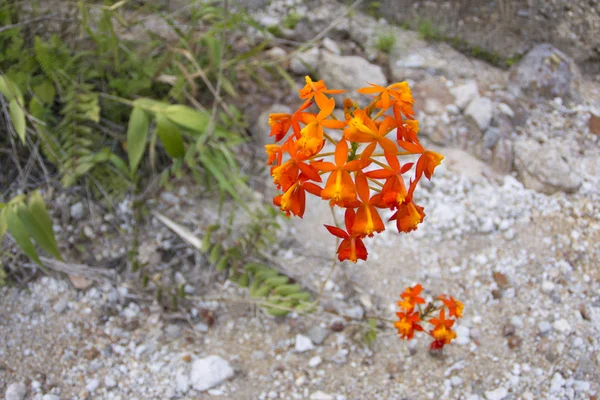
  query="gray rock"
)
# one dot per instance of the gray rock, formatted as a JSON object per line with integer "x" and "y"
{"x": 465, "y": 93}
{"x": 314, "y": 362}
{"x": 546, "y": 168}
{"x": 503, "y": 156}
{"x": 182, "y": 380}
{"x": 506, "y": 110}
{"x": 463, "y": 335}
{"x": 209, "y": 372}
{"x": 318, "y": 334}
{"x": 480, "y": 110}
{"x": 496, "y": 394}
{"x": 545, "y": 73}
{"x": 318, "y": 395}
{"x": 491, "y": 137}
{"x": 110, "y": 382}
{"x": 92, "y": 385}
{"x": 306, "y": 62}
{"x": 60, "y": 306}
{"x": 340, "y": 357}
{"x": 544, "y": 328}
{"x": 261, "y": 129}
{"x": 350, "y": 73}
{"x": 331, "y": 46}
{"x": 275, "y": 53}
{"x": 173, "y": 331}
{"x": 303, "y": 343}
{"x": 77, "y": 211}
{"x": 562, "y": 325}
{"x": 15, "y": 391}
{"x": 50, "y": 397}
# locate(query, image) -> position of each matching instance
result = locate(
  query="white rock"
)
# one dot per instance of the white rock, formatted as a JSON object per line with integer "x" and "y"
{"x": 92, "y": 385}
{"x": 314, "y": 362}
{"x": 201, "y": 327}
{"x": 544, "y": 328}
{"x": 303, "y": 343}
{"x": 76, "y": 211}
{"x": 557, "y": 382}
{"x": 109, "y": 382}
{"x": 182, "y": 381}
{"x": 209, "y": 372}
{"x": 275, "y": 53}
{"x": 496, "y": 394}
{"x": 301, "y": 380}
{"x": 547, "y": 286}
{"x": 562, "y": 325}
{"x": 15, "y": 391}
{"x": 506, "y": 110}
{"x": 50, "y": 397}
{"x": 303, "y": 63}
{"x": 318, "y": 395}
{"x": 465, "y": 93}
{"x": 60, "y": 306}
{"x": 456, "y": 381}
{"x": 480, "y": 110}
{"x": 463, "y": 336}
{"x": 331, "y": 46}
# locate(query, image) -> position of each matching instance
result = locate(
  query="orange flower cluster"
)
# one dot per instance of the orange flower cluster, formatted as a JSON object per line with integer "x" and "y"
{"x": 410, "y": 320}
{"x": 298, "y": 165}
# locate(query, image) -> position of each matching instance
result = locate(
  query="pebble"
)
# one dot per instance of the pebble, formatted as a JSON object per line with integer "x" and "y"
{"x": 562, "y": 325}
{"x": 340, "y": 357}
{"x": 173, "y": 331}
{"x": 318, "y": 334}
{"x": 110, "y": 382}
{"x": 314, "y": 362}
{"x": 15, "y": 391}
{"x": 60, "y": 306}
{"x": 201, "y": 327}
{"x": 547, "y": 287}
{"x": 303, "y": 343}
{"x": 182, "y": 381}
{"x": 557, "y": 382}
{"x": 463, "y": 336}
{"x": 76, "y": 211}
{"x": 50, "y": 397}
{"x": 92, "y": 385}
{"x": 318, "y": 395}
{"x": 496, "y": 394}
{"x": 544, "y": 328}
{"x": 209, "y": 372}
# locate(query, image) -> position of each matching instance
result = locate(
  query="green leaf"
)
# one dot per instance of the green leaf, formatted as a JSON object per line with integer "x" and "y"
{"x": 300, "y": 296}
{"x": 2, "y": 221}
{"x": 45, "y": 91}
{"x": 9, "y": 89}
{"x": 17, "y": 115}
{"x": 224, "y": 183}
{"x": 215, "y": 254}
{"x": 137, "y": 136}
{"x": 19, "y": 233}
{"x": 170, "y": 136}
{"x": 276, "y": 280}
{"x": 244, "y": 280}
{"x": 186, "y": 117}
{"x": 34, "y": 220}
{"x": 285, "y": 290}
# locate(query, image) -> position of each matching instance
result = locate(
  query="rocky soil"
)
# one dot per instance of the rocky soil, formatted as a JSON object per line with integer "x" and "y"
{"x": 512, "y": 230}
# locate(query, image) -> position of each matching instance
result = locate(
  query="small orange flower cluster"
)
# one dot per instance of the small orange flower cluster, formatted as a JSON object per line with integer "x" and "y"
{"x": 297, "y": 163}
{"x": 410, "y": 320}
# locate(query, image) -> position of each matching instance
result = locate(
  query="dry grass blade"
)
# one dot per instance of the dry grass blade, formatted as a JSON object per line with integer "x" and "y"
{"x": 181, "y": 231}
{"x": 81, "y": 270}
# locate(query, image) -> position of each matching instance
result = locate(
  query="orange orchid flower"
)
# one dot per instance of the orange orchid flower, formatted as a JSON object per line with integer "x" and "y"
{"x": 352, "y": 247}
{"x": 442, "y": 331}
{"x": 411, "y": 297}
{"x": 280, "y": 123}
{"x": 455, "y": 307}
{"x": 362, "y": 129}
{"x": 367, "y": 217}
{"x": 404, "y": 99}
{"x": 407, "y": 325}
{"x": 408, "y": 216}
{"x": 316, "y": 90}
{"x": 294, "y": 199}
{"x": 311, "y": 136}
{"x": 274, "y": 152}
{"x": 398, "y": 93}
{"x": 286, "y": 174}
{"x": 393, "y": 192}
{"x": 407, "y": 129}
{"x": 339, "y": 188}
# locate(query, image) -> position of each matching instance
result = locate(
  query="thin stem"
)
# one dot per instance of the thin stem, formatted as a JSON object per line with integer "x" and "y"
{"x": 382, "y": 165}
{"x": 329, "y": 138}
{"x": 334, "y": 263}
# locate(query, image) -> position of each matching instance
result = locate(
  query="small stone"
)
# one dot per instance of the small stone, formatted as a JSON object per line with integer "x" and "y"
{"x": 456, "y": 381}
{"x": 508, "y": 330}
{"x": 314, "y": 362}
{"x": 547, "y": 287}
{"x": 355, "y": 312}
{"x": 463, "y": 335}
{"x": 173, "y": 331}
{"x": 544, "y": 328}
{"x": 302, "y": 63}
{"x": 594, "y": 124}
{"x": 169, "y": 197}
{"x": 258, "y": 355}
{"x": 60, "y": 306}
{"x": 452, "y": 109}
{"x": 585, "y": 312}
{"x": 514, "y": 342}
{"x": 317, "y": 334}
{"x": 501, "y": 280}
{"x": 76, "y": 211}
{"x": 496, "y": 394}
{"x": 557, "y": 382}
{"x": 340, "y": 357}
{"x": 331, "y": 46}
{"x": 15, "y": 391}
{"x": 303, "y": 343}
{"x": 318, "y": 395}
{"x": 209, "y": 372}
{"x": 491, "y": 137}
{"x": 562, "y": 325}
{"x": 275, "y": 53}
{"x": 182, "y": 381}
{"x": 92, "y": 385}
{"x": 50, "y": 397}
{"x": 300, "y": 381}
{"x": 201, "y": 327}
{"x": 465, "y": 93}
{"x": 337, "y": 326}
{"x": 496, "y": 294}
{"x": 480, "y": 110}
{"x": 506, "y": 110}
{"x": 110, "y": 382}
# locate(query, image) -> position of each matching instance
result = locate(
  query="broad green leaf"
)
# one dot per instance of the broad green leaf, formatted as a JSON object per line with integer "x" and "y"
{"x": 170, "y": 136}
{"x": 150, "y": 104}
{"x": 224, "y": 183}
{"x": 137, "y": 136}
{"x": 45, "y": 91}
{"x": 17, "y": 115}
{"x": 19, "y": 233}
{"x": 9, "y": 90}
{"x": 186, "y": 117}
{"x": 118, "y": 163}
{"x": 36, "y": 220}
